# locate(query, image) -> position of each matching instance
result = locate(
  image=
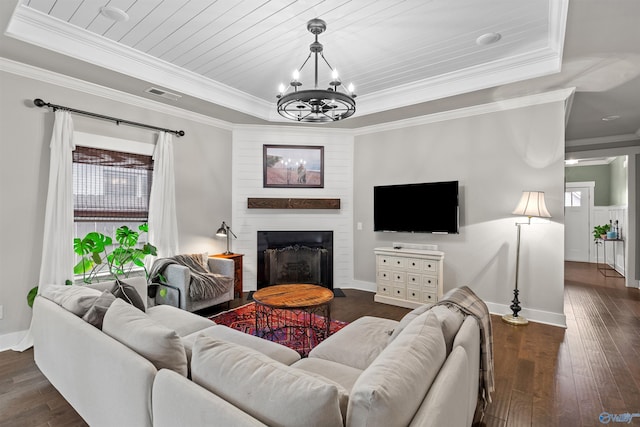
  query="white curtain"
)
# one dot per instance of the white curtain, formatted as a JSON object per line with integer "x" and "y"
{"x": 163, "y": 225}
{"x": 56, "y": 264}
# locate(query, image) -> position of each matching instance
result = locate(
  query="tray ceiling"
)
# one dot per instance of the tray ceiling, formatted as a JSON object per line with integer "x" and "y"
{"x": 235, "y": 53}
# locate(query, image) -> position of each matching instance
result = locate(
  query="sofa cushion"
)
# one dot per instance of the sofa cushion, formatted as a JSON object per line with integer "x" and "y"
{"x": 391, "y": 390}
{"x": 128, "y": 293}
{"x": 446, "y": 402}
{"x": 274, "y": 393}
{"x": 138, "y": 282}
{"x": 450, "y": 319}
{"x": 344, "y": 375}
{"x": 133, "y": 328}
{"x": 358, "y": 343}
{"x": 77, "y": 299}
{"x": 95, "y": 314}
{"x": 181, "y": 321}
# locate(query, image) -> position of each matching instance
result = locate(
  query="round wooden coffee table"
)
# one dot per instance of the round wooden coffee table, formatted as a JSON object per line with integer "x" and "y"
{"x": 296, "y": 309}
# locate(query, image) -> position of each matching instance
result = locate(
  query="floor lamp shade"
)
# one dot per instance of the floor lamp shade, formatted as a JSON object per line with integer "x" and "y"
{"x": 531, "y": 205}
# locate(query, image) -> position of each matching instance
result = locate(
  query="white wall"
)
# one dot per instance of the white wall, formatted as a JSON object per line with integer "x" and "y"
{"x": 494, "y": 156}
{"x": 248, "y": 144}
{"x": 203, "y": 173}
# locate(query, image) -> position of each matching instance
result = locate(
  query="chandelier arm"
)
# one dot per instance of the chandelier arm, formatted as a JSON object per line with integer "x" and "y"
{"x": 305, "y": 62}
{"x": 326, "y": 62}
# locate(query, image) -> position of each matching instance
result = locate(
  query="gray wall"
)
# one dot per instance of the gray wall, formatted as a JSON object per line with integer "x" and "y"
{"x": 494, "y": 157}
{"x": 203, "y": 178}
{"x": 619, "y": 182}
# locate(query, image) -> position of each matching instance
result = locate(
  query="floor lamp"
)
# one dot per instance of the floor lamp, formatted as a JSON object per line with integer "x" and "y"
{"x": 531, "y": 205}
{"x": 225, "y": 231}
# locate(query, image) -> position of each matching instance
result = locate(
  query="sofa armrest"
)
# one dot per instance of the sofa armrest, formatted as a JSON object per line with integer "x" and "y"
{"x": 92, "y": 371}
{"x": 223, "y": 266}
{"x": 177, "y": 279}
{"x": 180, "y": 402}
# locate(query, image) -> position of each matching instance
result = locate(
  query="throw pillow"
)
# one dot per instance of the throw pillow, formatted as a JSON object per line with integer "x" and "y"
{"x": 96, "y": 312}
{"x": 407, "y": 319}
{"x": 128, "y": 293}
{"x": 75, "y": 298}
{"x": 270, "y": 391}
{"x": 156, "y": 343}
{"x": 391, "y": 389}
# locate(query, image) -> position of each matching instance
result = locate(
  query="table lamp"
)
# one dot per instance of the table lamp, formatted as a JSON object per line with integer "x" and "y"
{"x": 225, "y": 231}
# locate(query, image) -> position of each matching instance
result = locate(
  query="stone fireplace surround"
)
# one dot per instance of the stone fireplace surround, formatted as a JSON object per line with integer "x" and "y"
{"x": 300, "y": 243}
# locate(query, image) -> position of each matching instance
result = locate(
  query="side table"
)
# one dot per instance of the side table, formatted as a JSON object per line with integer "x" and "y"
{"x": 237, "y": 280}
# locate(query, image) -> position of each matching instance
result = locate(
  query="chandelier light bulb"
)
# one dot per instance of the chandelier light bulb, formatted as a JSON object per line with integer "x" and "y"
{"x": 334, "y": 74}
{"x": 351, "y": 89}
{"x": 296, "y": 75}
{"x": 281, "y": 88}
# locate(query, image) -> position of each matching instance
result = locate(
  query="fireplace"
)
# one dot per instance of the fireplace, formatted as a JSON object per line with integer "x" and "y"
{"x": 286, "y": 257}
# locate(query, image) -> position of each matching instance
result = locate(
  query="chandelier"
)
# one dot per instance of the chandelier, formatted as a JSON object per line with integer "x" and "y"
{"x": 316, "y": 105}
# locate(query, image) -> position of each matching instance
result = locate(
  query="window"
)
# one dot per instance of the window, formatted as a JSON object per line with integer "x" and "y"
{"x": 572, "y": 198}
{"x": 110, "y": 189}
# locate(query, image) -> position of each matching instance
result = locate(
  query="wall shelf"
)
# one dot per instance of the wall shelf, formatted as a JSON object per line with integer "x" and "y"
{"x": 291, "y": 203}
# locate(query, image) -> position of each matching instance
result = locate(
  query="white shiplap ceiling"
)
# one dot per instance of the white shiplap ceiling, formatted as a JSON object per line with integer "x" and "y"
{"x": 235, "y": 53}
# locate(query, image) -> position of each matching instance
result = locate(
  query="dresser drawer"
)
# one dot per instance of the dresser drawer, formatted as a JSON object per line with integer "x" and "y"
{"x": 384, "y": 276}
{"x": 415, "y": 264}
{"x": 429, "y": 297}
{"x": 414, "y": 294}
{"x": 398, "y": 276}
{"x": 431, "y": 266}
{"x": 399, "y": 292}
{"x": 414, "y": 279}
{"x": 430, "y": 282}
{"x": 398, "y": 262}
{"x": 384, "y": 289}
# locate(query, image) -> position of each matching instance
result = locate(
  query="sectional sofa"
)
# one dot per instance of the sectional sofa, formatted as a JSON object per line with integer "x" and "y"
{"x": 168, "y": 367}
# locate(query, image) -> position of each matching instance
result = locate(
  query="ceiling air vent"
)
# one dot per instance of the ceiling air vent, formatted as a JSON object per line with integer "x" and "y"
{"x": 163, "y": 93}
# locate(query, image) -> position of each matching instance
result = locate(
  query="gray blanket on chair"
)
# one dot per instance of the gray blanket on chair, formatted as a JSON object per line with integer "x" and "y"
{"x": 203, "y": 285}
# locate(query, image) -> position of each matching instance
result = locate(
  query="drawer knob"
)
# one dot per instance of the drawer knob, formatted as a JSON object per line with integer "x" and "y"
{"x": 429, "y": 265}
{"x": 398, "y": 277}
{"x": 413, "y": 294}
{"x": 413, "y": 279}
{"x": 428, "y": 281}
{"x": 398, "y": 291}
{"x": 398, "y": 262}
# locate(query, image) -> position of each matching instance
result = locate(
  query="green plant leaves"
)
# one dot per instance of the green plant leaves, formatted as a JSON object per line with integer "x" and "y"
{"x": 126, "y": 236}
{"x": 31, "y": 296}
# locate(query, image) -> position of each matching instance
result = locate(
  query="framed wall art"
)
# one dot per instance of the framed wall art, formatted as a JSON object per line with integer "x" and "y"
{"x": 293, "y": 166}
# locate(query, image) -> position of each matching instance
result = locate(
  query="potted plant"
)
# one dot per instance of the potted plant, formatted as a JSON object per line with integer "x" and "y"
{"x": 600, "y": 231}
{"x": 123, "y": 258}
{"x": 101, "y": 258}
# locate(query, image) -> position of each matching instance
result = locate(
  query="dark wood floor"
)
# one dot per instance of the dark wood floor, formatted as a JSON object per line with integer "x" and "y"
{"x": 545, "y": 375}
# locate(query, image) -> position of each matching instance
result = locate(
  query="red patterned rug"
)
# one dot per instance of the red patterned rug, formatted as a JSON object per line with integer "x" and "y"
{"x": 243, "y": 319}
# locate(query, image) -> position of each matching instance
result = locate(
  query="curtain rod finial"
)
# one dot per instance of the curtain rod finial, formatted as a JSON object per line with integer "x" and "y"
{"x": 39, "y": 102}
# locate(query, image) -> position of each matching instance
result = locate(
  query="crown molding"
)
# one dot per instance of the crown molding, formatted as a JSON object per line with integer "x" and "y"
{"x": 34, "y": 27}
{"x": 560, "y": 95}
{"x": 72, "y": 83}
{"x": 601, "y": 140}
{"x": 50, "y": 33}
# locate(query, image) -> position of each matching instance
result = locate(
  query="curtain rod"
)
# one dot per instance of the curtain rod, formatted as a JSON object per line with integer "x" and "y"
{"x": 40, "y": 103}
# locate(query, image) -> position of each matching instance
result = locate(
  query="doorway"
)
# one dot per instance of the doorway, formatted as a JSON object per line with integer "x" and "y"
{"x": 578, "y": 211}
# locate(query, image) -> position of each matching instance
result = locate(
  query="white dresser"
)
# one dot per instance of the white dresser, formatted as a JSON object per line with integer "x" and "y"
{"x": 408, "y": 277}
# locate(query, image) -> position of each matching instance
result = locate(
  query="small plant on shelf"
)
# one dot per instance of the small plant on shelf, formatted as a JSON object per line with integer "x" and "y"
{"x": 600, "y": 231}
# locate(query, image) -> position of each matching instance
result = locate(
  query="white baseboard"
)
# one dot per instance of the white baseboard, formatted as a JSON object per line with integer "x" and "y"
{"x": 7, "y": 341}
{"x": 538, "y": 316}
{"x": 358, "y": 284}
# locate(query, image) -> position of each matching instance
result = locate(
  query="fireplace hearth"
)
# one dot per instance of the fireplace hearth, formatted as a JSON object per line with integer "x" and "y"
{"x": 286, "y": 257}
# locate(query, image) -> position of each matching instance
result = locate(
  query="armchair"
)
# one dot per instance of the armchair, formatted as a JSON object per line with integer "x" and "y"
{"x": 178, "y": 280}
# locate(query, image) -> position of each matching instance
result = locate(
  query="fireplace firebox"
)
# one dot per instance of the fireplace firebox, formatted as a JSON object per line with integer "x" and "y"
{"x": 286, "y": 257}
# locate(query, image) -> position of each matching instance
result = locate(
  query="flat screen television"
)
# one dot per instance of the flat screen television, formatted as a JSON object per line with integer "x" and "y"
{"x": 430, "y": 207}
